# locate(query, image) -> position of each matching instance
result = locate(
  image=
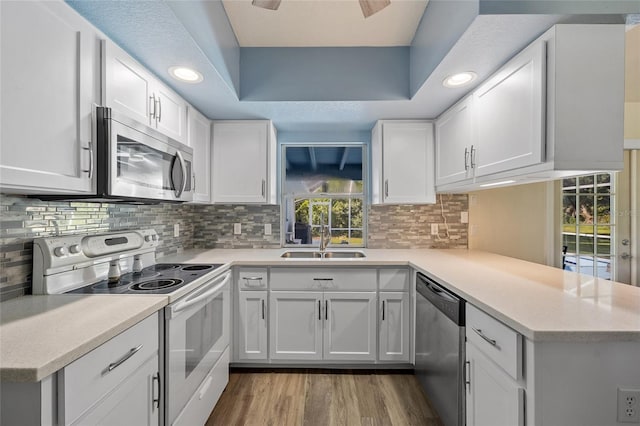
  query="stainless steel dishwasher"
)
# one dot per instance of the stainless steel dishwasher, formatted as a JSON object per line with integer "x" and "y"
{"x": 440, "y": 354}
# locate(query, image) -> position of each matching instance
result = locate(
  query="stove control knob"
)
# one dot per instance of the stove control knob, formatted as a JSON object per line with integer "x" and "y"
{"x": 155, "y": 237}
{"x": 147, "y": 238}
{"x": 60, "y": 251}
{"x": 75, "y": 249}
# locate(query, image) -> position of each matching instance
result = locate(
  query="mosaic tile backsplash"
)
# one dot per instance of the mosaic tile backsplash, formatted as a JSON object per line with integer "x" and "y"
{"x": 201, "y": 226}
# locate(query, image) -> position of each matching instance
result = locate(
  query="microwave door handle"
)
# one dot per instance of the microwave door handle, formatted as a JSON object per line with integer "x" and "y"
{"x": 179, "y": 189}
{"x": 197, "y": 298}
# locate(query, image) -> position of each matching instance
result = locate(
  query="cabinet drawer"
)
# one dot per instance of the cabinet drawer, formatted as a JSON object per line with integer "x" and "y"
{"x": 88, "y": 379}
{"x": 499, "y": 342}
{"x": 252, "y": 278}
{"x": 323, "y": 278}
{"x": 394, "y": 279}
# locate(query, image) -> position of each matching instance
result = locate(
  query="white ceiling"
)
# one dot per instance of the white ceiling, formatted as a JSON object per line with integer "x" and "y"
{"x": 323, "y": 23}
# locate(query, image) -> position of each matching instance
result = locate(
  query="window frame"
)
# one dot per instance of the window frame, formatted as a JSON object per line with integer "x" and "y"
{"x": 283, "y": 197}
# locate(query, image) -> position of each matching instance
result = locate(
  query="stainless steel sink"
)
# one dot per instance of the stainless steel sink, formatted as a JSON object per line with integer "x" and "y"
{"x": 294, "y": 254}
{"x": 301, "y": 254}
{"x": 343, "y": 254}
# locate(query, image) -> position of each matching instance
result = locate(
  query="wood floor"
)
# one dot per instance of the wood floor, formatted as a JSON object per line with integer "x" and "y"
{"x": 319, "y": 397}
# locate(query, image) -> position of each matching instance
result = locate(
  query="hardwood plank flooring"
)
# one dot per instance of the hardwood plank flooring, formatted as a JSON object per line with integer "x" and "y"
{"x": 322, "y": 397}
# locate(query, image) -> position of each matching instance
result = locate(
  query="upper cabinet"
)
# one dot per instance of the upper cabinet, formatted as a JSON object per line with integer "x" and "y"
{"x": 49, "y": 68}
{"x": 402, "y": 162}
{"x": 554, "y": 110}
{"x": 199, "y": 138}
{"x": 244, "y": 162}
{"x": 129, "y": 88}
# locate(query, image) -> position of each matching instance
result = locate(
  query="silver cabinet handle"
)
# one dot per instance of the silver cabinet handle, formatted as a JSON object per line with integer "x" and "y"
{"x": 473, "y": 157}
{"x": 152, "y": 102}
{"x": 264, "y": 186}
{"x": 156, "y": 401}
{"x": 466, "y": 158}
{"x": 119, "y": 362}
{"x": 262, "y": 308}
{"x": 90, "y": 149}
{"x": 479, "y": 333}
{"x": 467, "y": 374}
{"x": 319, "y": 311}
{"x": 249, "y": 280}
{"x": 159, "y": 109}
{"x": 383, "y": 310}
{"x": 326, "y": 310}
{"x": 323, "y": 279}
{"x": 386, "y": 188}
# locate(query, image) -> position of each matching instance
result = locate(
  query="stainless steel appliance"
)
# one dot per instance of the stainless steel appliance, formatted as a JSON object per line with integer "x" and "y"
{"x": 135, "y": 163}
{"x": 195, "y": 328}
{"x": 440, "y": 350}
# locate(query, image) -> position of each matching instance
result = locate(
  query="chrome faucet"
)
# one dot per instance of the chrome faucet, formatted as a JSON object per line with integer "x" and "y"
{"x": 325, "y": 234}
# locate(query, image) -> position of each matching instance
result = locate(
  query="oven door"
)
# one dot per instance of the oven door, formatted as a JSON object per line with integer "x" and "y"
{"x": 197, "y": 333}
{"x": 146, "y": 164}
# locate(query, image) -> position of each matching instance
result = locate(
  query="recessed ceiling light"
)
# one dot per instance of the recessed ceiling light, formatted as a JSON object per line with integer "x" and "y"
{"x": 460, "y": 79}
{"x": 185, "y": 74}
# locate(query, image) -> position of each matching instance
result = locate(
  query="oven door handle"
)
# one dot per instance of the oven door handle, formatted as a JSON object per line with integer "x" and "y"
{"x": 198, "y": 297}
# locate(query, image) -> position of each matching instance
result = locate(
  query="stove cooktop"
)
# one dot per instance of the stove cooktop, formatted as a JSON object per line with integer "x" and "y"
{"x": 161, "y": 278}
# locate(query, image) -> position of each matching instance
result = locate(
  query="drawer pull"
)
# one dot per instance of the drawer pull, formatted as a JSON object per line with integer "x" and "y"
{"x": 249, "y": 280}
{"x": 119, "y": 362}
{"x": 319, "y": 311}
{"x": 262, "y": 308}
{"x": 486, "y": 339}
{"x": 156, "y": 401}
{"x": 383, "y": 310}
{"x": 323, "y": 279}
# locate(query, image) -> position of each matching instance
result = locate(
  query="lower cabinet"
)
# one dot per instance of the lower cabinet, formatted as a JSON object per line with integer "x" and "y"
{"x": 493, "y": 397}
{"x": 252, "y": 325}
{"x": 394, "y": 327}
{"x": 323, "y": 326}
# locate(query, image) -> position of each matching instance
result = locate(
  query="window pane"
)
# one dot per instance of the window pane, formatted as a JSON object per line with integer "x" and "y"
{"x": 604, "y": 245}
{"x": 568, "y": 208}
{"x": 603, "y": 267}
{"x": 585, "y": 244}
{"x": 603, "y": 209}
{"x": 586, "y": 183}
{"x": 603, "y": 178}
{"x": 569, "y": 240}
{"x": 569, "y": 182}
{"x": 586, "y": 209}
{"x": 585, "y": 265}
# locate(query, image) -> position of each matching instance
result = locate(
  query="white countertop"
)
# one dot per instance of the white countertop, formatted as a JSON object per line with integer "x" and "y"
{"x": 540, "y": 302}
{"x": 41, "y": 334}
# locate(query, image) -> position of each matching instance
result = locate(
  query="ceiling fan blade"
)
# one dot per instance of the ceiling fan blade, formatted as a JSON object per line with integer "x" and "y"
{"x": 267, "y": 4}
{"x": 369, "y": 7}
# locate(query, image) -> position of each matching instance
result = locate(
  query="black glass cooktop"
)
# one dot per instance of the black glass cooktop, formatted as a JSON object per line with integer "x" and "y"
{"x": 161, "y": 278}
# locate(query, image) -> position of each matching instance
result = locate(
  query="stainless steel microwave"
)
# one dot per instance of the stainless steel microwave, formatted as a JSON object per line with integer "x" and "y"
{"x": 135, "y": 163}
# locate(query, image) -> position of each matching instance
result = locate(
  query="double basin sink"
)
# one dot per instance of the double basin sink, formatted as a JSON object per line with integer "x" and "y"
{"x": 294, "y": 254}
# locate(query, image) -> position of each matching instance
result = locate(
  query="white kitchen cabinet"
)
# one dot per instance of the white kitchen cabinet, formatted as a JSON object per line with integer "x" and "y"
{"x": 295, "y": 322}
{"x": 554, "y": 110}
{"x": 403, "y": 162}
{"x": 509, "y": 115}
{"x": 394, "y": 323}
{"x": 49, "y": 68}
{"x": 493, "y": 398}
{"x": 454, "y": 143}
{"x": 199, "y": 138}
{"x": 252, "y": 325}
{"x": 130, "y": 89}
{"x": 350, "y": 326}
{"x": 244, "y": 162}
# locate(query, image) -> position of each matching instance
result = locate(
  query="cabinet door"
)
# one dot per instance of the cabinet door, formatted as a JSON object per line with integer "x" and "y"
{"x": 48, "y": 57}
{"x": 252, "y": 327}
{"x": 134, "y": 402}
{"x": 350, "y": 326}
{"x": 394, "y": 326}
{"x": 510, "y": 110}
{"x": 199, "y": 138}
{"x": 127, "y": 86}
{"x": 240, "y": 152}
{"x": 171, "y": 113}
{"x": 408, "y": 163}
{"x": 295, "y": 324}
{"x": 493, "y": 398}
{"x": 454, "y": 138}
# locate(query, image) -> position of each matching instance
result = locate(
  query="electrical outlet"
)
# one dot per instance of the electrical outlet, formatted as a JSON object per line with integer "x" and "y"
{"x": 628, "y": 405}
{"x": 464, "y": 217}
{"x": 267, "y": 229}
{"x": 176, "y": 229}
{"x": 237, "y": 228}
{"x": 434, "y": 229}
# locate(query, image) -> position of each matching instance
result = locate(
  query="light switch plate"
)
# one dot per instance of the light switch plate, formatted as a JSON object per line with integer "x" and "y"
{"x": 176, "y": 229}
{"x": 464, "y": 217}
{"x": 434, "y": 229}
{"x": 267, "y": 229}
{"x": 237, "y": 228}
